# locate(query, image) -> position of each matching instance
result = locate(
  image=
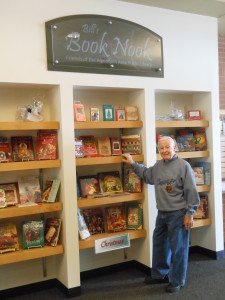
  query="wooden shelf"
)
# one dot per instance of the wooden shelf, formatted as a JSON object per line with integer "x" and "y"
{"x": 191, "y": 154}
{"x": 182, "y": 124}
{"x": 87, "y": 161}
{"x": 28, "y": 125}
{"x": 108, "y": 124}
{"x": 30, "y": 165}
{"x": 29, "y": 254}
{"x": 201, "y": 222}
{"x": 90, "y": 242}
{"x": 14, "y": 211}
{"x": 203, "y": 188}
{"x": 92, "y": 202}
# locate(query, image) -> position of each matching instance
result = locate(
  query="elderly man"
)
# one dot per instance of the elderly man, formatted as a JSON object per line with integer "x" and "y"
{"x": 177, "y": 199}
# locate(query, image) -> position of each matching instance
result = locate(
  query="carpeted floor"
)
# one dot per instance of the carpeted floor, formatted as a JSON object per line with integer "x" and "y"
{"x": 205, "y": 280}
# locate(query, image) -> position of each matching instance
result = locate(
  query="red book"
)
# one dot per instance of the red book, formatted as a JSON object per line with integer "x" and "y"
{"x": 116, "y": 146}
{"x": 46, "y": 147}
{"x": 89, "y": 143}
{"x": 79, "y": 112}
{"x": 5, "y": 152}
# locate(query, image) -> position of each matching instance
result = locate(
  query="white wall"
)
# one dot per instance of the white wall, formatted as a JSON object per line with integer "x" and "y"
{"x": 190, "y": 62}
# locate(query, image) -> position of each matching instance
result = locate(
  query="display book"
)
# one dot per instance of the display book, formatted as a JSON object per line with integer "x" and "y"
{"x": 111, "y": 219}
{"x": 187, "y": 139}
{"x": 89, "y": 146}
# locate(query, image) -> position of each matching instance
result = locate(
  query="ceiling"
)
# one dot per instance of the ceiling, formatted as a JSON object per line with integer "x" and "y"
{"x": 213, "y": 8}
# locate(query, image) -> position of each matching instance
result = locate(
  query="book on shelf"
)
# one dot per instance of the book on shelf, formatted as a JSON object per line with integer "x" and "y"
{"x": 11, "y": 191}
{"x": 185, "y": 140}
{"x": 29, "y": 189}
{"x": 108, "y": 112}
{"x": 131, "y": 144}
{"x": 120, "y": 114}
{"x": 22, "y": 148}
{"x": 89, "y": 185}
{"x": 5, "y": 152}
{"x": 2, "y": 198}
{"x": 94, "y": 220}
{"x": 116, "y": 148}
{"x": 200, "y": 139}
{"x": 199, "y": 175}
{"x": 116, "y": 218}
{"x": 202, "y": 210}
{"x": 82, "y": 226}
{"x": 134, "y": 216}
{"x": 79, "y": 148}
{"x": 94, "y": 114}
{"x": 46, "y": 145}
{"x": 33, "y": 234}
{"x": 89, "y": 143}
{"x": 79, "y": 112}
{"x": 160, "y": 135}
{"x": 104, "y": 146}
{"x": 131, "y": 113}
{"x": 207, "y": 170}
{"x": 8, "y": 237}
{"x": 110, "y": 182}
{"x": 50, "y": 191}
{"x": 52, "y": 230}
{"x": 132, "y": 183}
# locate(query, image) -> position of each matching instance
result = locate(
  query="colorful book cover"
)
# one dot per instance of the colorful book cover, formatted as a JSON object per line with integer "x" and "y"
{"x": 132, "y": 183}
{"x": 5, "y": 152}
{"x": 200, "y": 139}
{"x": 90, "y": 148}
{"x": 33, "y": 234}
{"x": 50, "y": 190}
{"x": 94, "y": 114}
{"x": 79, "y": 148}
{"x": 185, "y": 141}
{"x": 116, "y": 148}
{"x": 8, "y": 237}
{"x": 202, "y": 210}
{"x": 22, "y": 148}
{"x": 94, "y": 220}
{"x": 2, "y": 198}
{"x": 131, "y": 113}
{"x": 29, "y": 189}
{"x": 52, "y": 230}
{"x": 116, "y": 218}
{"x": 131, "y": 144}
{"x": 110, "y": 182}
{"x": 104, "y": 146}
{"x": 207, "y": 170}
{"x": 134, "y": 216}
{"x": 79, "y": 112}
{"x": 199, "y": 175}
{"x": 89, "y": 185}
{"x": 11, "y": 191}
{"x": 46, "y": 145}
{"x": 82, "y": 226}
{"x": 108, "y": 112}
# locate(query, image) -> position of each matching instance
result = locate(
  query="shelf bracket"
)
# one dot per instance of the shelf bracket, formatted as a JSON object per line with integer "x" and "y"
{"x": 125, "y": 253}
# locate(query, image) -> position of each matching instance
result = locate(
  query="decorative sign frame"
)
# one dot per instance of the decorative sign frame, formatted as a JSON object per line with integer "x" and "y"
{"x": 103, "y": 44}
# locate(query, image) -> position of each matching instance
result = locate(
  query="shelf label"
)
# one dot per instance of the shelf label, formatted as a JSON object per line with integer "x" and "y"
{"x": 112, "y": 243}
{"x": 103, "y": 44}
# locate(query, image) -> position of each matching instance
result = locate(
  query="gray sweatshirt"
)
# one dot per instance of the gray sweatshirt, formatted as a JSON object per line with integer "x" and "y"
{"x": 174, "y": 181}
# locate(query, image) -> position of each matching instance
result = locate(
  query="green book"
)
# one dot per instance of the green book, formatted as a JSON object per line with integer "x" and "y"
{"x": 134, "y": 216}
{"x": 33, "y": 234}
{"x": 108, "y": 112}
{"x": 50, "y": 190}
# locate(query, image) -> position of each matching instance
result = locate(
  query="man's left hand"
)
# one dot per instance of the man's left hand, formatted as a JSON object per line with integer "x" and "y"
{"x": 188, "y": 222}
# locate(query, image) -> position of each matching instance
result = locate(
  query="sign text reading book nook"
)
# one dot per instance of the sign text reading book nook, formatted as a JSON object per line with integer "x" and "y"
{"x": 102, "y": 44}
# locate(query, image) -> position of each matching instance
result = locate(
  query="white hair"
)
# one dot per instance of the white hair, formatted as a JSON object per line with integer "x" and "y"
{"x": 165, "y": 137}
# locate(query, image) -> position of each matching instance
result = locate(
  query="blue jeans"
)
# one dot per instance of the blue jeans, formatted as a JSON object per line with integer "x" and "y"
{"x": 170, "y": 238}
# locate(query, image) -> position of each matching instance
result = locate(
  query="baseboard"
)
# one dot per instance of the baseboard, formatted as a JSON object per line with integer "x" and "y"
{"x": 39, "y": 286}
{"x": 213, "y": 254}
{"x": 114, "y": 268}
